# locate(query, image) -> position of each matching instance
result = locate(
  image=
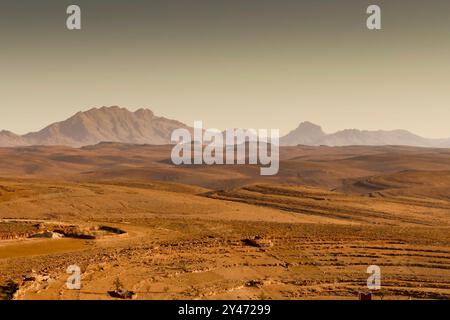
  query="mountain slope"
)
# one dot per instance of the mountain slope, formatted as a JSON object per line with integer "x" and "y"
{"x": 311, "y": 134}
{"x": 9, "y": 139}
{"x": 111, "y": 124}
{"x": 307, "y": 133}
{"x": 380, "y": 137}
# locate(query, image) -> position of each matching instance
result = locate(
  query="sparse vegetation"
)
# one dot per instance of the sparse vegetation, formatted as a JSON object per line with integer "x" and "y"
{"x": 118, "y": 285}
{"x": 120, "y": 292}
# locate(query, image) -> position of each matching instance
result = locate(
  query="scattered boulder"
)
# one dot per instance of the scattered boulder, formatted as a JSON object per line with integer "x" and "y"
{"x": 48, "y": 234}
{"x": 122, "y": 294}
{"x": 34, "y": 276}
{"x": 255, "y": 283}
{"x": 258, "y": 241}
{"x": 8, "y": 291}
{"x": 39, "y": 226}
{"x": 29, "y": 277}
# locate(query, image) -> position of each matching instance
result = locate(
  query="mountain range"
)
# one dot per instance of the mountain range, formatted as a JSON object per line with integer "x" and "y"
{"x": 115, "y": 124}
{"x": 112, "y": 124}
{"x": 311, "y": 134}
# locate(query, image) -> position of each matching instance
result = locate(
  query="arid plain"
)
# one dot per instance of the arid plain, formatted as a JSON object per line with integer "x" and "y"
{"x": 224, "y": 232}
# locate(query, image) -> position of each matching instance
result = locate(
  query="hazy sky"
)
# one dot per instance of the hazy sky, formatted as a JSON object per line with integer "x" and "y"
{"x": 230, "y": 63}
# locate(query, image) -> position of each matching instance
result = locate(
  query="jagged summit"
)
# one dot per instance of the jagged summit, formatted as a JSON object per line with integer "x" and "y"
{"x": 114, "y": 124}
{"x": 118, "y": 124}
{"x": 307, "y": 133}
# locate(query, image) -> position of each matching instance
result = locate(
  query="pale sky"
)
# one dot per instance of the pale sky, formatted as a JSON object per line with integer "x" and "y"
{"x": 241, "y": 63}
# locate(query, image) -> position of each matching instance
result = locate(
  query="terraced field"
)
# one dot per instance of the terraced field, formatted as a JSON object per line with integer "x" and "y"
{"x": 210, "y": 260}
{"x": 341, "y": 207}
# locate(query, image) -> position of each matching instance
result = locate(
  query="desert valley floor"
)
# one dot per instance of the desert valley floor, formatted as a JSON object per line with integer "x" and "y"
{"x": 224, "y": 232}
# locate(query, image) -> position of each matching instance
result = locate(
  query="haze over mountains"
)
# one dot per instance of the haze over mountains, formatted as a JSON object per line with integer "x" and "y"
{"x": 115, "y": 124}
{"x": 308, "y": 133}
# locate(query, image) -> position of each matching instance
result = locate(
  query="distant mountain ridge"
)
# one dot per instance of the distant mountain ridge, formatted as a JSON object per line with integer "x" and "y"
{"x": 311, "y": 134}
{"x": 115, "y": 124}
{"x": 106, "y": 124}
